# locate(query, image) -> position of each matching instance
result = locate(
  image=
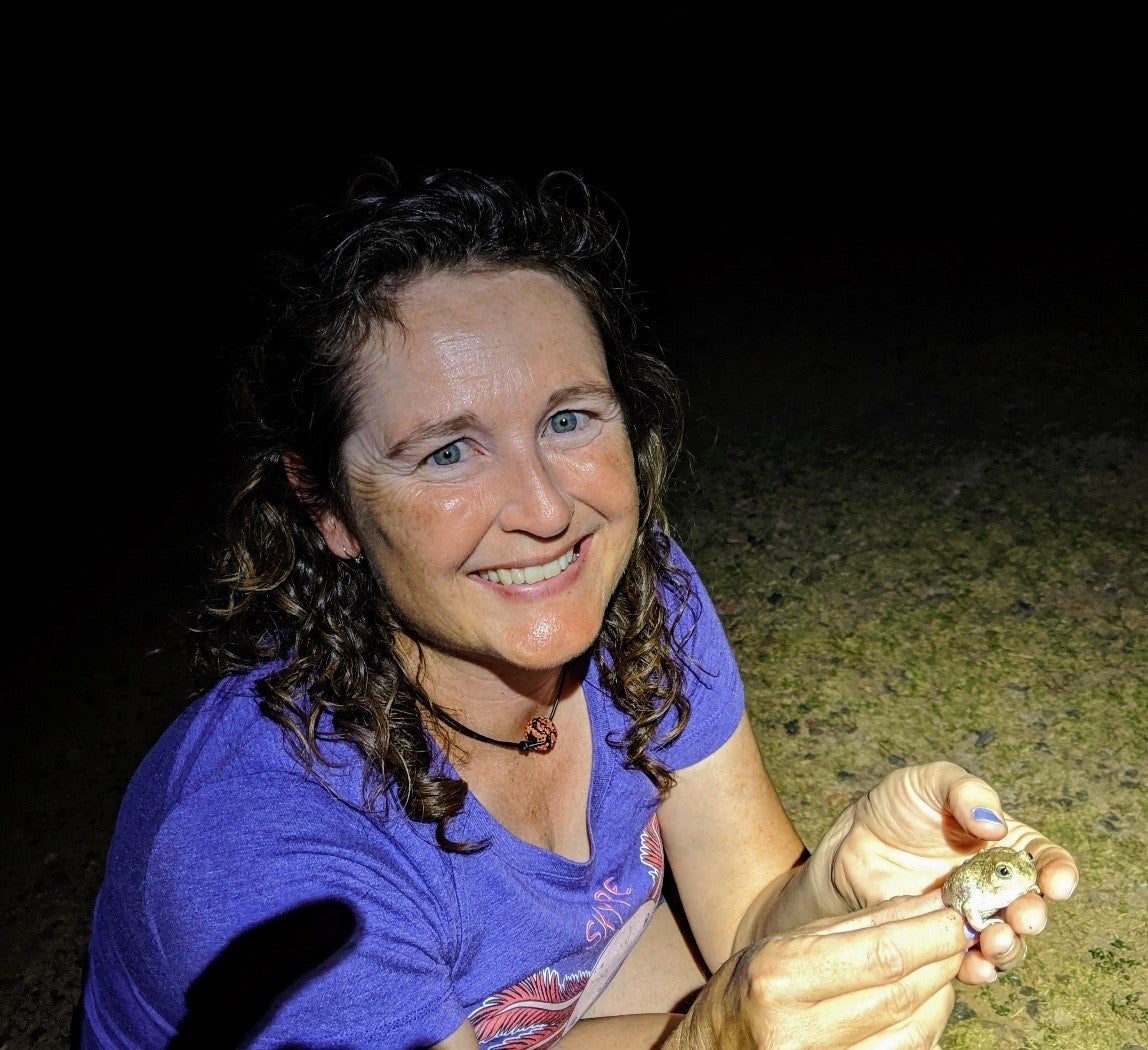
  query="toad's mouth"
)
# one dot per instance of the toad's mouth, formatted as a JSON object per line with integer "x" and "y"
{"x": 531, "y": 573}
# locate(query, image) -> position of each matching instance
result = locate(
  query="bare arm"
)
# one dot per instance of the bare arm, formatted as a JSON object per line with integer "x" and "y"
{"x": 798, "y": 959}
{"x": 731, "y": 846}
{"x": 853, "y": 943}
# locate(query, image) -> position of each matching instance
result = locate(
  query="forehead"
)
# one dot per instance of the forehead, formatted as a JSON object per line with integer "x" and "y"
{"x": 463, "y": 321}
{"x": 465, "y": 339}
{"x": 495, "y": 301}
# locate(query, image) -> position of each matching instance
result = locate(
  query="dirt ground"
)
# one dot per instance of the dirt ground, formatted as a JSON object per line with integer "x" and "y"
{"x": 919, "y": 386}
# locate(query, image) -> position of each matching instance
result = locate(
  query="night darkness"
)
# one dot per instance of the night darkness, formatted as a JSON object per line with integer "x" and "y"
{"x": 761, "y": 191}
{"x": 753, "y": 162}
{"x": 865, "y": 169}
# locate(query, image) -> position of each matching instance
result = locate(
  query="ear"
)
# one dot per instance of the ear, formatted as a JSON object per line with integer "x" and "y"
{"x": 337, "y": 536}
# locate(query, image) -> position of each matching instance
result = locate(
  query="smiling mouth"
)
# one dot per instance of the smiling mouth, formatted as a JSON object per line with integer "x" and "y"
{"x": 532, "y": 573}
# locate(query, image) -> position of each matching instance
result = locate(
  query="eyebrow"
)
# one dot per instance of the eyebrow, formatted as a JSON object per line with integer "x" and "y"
{"x": 600, "y": 391}
{"x": 434, "y": 431}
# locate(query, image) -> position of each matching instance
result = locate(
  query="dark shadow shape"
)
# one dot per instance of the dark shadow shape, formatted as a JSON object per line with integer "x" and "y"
{"x": 76, "y": 1027}
{"x": 235, "y": 994}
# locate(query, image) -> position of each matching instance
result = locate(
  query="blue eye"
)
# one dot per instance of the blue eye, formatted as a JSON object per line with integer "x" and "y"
{"x": 448, "y": 455}
{"x": 565, "y": 422}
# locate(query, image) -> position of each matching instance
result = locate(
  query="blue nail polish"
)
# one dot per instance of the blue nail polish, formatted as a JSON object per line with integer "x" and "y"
{"x": 987, "y": 815}
{"x": 970, "y": 933}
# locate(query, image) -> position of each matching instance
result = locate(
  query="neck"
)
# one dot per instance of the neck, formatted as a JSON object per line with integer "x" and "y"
{"x": 495, "y": 703}
{"x": 456, "y": 683}
{"x": 539, "y": 735}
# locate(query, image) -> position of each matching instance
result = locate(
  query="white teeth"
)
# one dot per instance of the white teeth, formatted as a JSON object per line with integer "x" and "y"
{"x": 531, "y": 574}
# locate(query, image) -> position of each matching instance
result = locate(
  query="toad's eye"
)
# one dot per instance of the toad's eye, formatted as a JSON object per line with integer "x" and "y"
{"x": 448, "y": 455}
{"x": 566, "y": 422}
{"x": 1004, "y": 871}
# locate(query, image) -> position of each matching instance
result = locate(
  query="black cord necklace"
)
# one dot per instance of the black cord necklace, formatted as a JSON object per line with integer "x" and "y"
{"x": 541, "y": 733}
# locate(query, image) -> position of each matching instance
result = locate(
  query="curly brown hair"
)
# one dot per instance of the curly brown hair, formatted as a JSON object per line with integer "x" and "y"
{"x": 324, "y": 626}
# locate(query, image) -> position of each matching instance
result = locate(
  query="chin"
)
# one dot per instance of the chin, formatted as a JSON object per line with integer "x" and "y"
{"x": 550, "y": 645}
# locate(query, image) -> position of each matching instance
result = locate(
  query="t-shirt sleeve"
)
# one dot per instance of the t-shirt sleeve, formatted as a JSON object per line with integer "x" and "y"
{"x": 282, "y": 910}
{"x": 711, "y": 678}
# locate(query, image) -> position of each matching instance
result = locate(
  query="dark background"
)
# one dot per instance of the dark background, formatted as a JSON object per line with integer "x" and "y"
{"x": 878, "y": 220}
{"x": 757, "y": 159}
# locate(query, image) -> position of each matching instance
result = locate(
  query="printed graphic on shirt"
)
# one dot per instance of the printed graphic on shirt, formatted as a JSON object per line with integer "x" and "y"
{"x": 537, "y": 1011}
{"x": 653, "y": 855}
{"x": 530, "y": 1014}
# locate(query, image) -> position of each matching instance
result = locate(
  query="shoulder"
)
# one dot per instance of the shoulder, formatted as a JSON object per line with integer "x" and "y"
{"x": 703, "y": 648}
{"x": 228, "y": 851}
{"x": 274, "y": 846}
{"x": 711, "y": 678}
{"x": 222, "y": 819}
{"x": 219, "y": 735}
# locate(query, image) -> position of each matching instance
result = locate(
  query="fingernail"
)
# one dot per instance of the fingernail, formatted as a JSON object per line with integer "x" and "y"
{"x": 970, "y": 933}
{"x": 987, "y": 815}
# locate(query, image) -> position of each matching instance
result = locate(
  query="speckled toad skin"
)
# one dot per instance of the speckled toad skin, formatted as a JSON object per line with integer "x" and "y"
{"x": 987, "y": 882}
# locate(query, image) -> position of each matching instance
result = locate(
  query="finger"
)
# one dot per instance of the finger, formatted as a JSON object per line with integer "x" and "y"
{"x": 976, "y": 969}
{"x": 1001, "y": 946}
{"x": 836, "y": 962}
{"x": 1015, "y": 957}
{"x": 896, "y": 1014}
{"x": 1056, "y": 869}
{"x": 901, "y": 907}
{"x": 975, "y": 805}
{"x": 1058, "y": 875}
{"x": 969, "y": 808}
{"x": 976, "y": 808}
{"x": 923, "y": 1028}
{"x": 1026, "y": 915}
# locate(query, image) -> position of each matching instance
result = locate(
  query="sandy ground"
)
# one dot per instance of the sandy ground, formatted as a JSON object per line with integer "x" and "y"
{"x": 918, "y": 495}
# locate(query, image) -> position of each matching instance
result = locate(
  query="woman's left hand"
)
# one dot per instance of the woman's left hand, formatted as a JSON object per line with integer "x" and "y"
{"x": 913, "y": 828}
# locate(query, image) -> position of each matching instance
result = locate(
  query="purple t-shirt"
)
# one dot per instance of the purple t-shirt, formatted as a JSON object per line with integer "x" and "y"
{"x": 245, "y": 902}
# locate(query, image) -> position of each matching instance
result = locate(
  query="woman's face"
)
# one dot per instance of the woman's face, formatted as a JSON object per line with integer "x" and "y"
{"x": 491, "y": 476}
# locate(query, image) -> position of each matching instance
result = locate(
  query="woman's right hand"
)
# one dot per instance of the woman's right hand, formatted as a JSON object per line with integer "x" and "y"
{"x": 877, "y": 978}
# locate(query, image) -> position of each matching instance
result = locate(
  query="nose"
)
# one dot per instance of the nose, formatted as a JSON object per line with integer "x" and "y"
{"x": 534, "y": 499}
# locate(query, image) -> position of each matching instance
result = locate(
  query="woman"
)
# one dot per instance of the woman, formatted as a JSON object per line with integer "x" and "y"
{"x": 468, "y": 706}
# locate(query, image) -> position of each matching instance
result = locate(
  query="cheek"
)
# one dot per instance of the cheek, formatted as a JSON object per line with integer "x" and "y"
{"x": 610, "y": 476}
{"x": 420, "y": 528}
